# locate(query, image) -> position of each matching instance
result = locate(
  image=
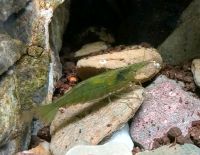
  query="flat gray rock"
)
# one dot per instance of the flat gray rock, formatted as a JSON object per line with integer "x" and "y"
{"x": 166, "y": 105}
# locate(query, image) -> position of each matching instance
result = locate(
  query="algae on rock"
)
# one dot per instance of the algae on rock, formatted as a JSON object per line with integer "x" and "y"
{"x": 19, "y": 91}
{"x": 29, "y": 80}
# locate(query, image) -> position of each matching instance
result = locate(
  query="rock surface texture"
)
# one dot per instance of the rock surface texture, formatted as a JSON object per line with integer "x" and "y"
{"x": 27, "y": 66}
{"x": 8, "y": 7}
{"x": 196, "y": 71}
{"x": 91, "y": 48}
{"x": 185, "y": 149}
{"x": 166, "y": 105}
{"x": 182, "y": 45}
{"x": 93, "y": 65}
{"x": 10, "y": 51}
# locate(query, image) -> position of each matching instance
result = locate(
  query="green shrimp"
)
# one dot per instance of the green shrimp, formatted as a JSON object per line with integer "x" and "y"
{"x": 96, "y": 87}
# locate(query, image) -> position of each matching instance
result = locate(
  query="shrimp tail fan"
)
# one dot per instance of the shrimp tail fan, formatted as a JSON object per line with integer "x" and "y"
{"x": 46, "y": 113}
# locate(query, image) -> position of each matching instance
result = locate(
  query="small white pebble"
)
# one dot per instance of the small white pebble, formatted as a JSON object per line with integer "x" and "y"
{"x": 157, "y": 65}
{"x": 122, "y": 136}
{"x": 103, "y": 61}
{"x": 171, "y": 93}
{"x": 27, "y": 152}
{"x": 10, "y": 72}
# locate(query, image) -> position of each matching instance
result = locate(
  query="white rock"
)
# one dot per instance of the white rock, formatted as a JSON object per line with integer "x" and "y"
{"x": 196, "y": 71}
{"x": 106, "y": 149}
{"x": 122, "y": 136}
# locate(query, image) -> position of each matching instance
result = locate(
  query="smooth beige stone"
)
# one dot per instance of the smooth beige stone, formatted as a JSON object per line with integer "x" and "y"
{"x": 196, "y": 71}
{"x": 93, "y": 122}
{"x": 93, "y": 65}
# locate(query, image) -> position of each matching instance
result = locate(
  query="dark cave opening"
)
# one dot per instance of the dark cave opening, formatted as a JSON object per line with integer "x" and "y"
{"x": 129, "y": 21}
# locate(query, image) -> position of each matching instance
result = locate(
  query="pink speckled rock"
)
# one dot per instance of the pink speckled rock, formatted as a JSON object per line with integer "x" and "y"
{"x": 166, "y": 105}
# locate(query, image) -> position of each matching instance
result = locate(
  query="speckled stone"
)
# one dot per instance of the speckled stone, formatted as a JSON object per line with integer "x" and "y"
{"x": 166, "y": 105}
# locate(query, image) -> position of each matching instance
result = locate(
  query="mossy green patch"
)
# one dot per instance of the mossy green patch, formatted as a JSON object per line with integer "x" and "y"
{"x": 31, "y": 74}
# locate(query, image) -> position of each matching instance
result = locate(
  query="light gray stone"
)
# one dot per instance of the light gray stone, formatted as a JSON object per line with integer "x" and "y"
{"x": 11, "y": 50}
{"x": 42, "y": 24}
{"x": 196, "y": 71}
{"x": 106, "y": 149}
{"x": 183, "y": 44}
{"x": 57, "y": 28}
{"x": 8, "y": 7}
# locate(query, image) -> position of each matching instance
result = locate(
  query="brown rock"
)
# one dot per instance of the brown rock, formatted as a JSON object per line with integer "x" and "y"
{"x": 194, "y": 132}
{"x": 174, "y": 132}
{"x": 188, "y": 139}
{"x": 166, "y": 140}
{"x": 41, "y": 149}
{"x": 156, "y": 144}
{"x": 180, "y": 139}
{"x": 136, "y": 150}
{"x": 196, "y": 123}
{"x": 44, "y": 133}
